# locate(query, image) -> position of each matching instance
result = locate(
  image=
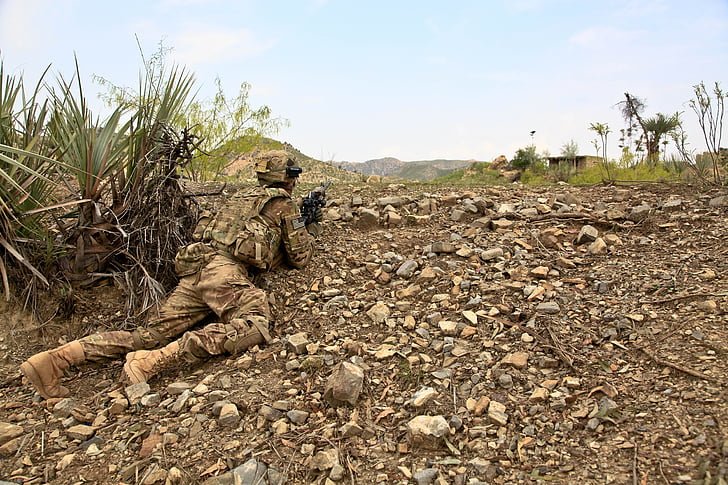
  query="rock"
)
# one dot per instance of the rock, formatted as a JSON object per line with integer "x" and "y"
{"x": 587, "y": 234}
{"x": 270, "y": 413}
{"x": 720, "y": 201}
{"x": 135, "y": 392}
{"x": 540, "y": 272}
{"x": 150, "y": 400}
{"x": 181, "y": 401}
{"x": 325, "y": 459}
{"x": 491, "y": 254}
{"x": 62, "y": 409}
{"x": 10, "y": 448}
{"x": 425, "y": 476}
{"x": 80, "y": 432}
{"x": 252, "y": 472}
{"x": 379, "y": 312}
{"x": 497, "y": 413}
{"x": 539, "y": 394}
{"x": 393, "y": 219}
{"x": 407, "y": 269}
{"x": 597, "y": 247}
{"x": 639, "y": 213}
{"x": 393, "y": 201}
{"x": 672, "y": 205}
{"x": 457, "y": 215}
{"x": 470, "y": 316}
{"x": 443, "y": 247}
{"x": 297, "y": 417}
{"x": 423, "y": 396}
{"x": 368, "y": 217}
{"x": 448, "y": 327}
{"x": 118, "y": 406}
{"x": 708, "y": 306}
{"x": 9, "y": 431}
{"x": 519, "y": 360}
{"x": 229, "y": 415}
{"x": 297, "y": 343}
{"x": 177, "y": 388}
{"x": 548, "y": 308}
{"x": 428, "y": 431}
{"x": 337, "y": 472}
{"x": 344, "y": 384}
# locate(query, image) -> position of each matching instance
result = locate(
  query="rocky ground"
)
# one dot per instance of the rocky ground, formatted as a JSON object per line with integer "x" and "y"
{"x": 456, "y": 336}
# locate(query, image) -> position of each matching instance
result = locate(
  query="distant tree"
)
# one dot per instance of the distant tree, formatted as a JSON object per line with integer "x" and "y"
{"x": 653, "y": 129}
{"x": 570, "y": 150}
{"x": 602, "y": 130}
{"x": 710, "y": 109}
{"x": 526, "y": 158}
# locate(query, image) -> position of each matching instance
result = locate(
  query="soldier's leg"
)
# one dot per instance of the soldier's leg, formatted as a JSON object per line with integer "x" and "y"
{"x": 243, "y": 310}
{"x": 181, "y": 310}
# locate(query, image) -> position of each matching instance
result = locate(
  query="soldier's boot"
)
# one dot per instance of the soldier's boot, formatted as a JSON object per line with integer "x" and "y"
{"x": 142, "y": 365}
{"x": 44, "y": 370}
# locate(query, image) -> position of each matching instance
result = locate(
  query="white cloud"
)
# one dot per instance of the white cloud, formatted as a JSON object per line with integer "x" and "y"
{"x": 200, "y": 44}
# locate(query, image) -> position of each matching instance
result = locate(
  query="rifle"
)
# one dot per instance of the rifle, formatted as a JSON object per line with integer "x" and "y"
{"x": 315, "y": 199}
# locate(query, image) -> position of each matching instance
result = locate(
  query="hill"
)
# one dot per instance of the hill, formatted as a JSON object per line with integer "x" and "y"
{"x": 414, "y": 170}
{"x": 488, "y": 336}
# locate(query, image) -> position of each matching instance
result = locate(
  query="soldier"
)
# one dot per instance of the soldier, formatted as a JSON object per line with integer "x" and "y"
{"x": 260, "y": 227}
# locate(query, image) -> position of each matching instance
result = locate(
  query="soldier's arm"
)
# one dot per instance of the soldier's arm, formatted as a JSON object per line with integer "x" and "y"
{"x": 296, "y": 241}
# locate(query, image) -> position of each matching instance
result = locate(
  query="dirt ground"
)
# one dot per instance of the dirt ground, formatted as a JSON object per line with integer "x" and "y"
{"x": 552, "y": 357}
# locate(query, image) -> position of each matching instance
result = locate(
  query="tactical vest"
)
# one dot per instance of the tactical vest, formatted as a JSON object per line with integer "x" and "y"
{"x": 239, "y": 229}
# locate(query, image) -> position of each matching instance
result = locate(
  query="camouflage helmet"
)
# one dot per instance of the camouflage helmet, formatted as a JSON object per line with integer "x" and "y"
{"x": 276, "y": 166}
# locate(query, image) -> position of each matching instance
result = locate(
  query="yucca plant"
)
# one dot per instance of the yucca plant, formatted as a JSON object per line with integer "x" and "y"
{"x": 26, "y": 186}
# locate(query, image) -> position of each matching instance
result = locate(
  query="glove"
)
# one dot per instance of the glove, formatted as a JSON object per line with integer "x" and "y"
{"x": 318, "y": 215}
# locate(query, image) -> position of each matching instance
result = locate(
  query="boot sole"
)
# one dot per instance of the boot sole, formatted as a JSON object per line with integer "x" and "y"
{"x": 32, "y": 375}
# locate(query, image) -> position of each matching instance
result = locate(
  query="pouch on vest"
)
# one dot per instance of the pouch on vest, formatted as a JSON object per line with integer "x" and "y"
{"x": 192, "y": 258}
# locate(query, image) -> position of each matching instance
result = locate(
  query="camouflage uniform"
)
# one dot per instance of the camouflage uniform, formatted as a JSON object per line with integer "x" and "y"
{"x": 215, "y": 280}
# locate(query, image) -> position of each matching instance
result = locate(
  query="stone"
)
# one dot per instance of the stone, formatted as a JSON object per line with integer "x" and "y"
{"x": 151, "y": 400}
{"x": 672, "y": 205}
{"x": 135, "y": 392}
{"x": 519, "y": 360}
{"x": 297, "y": 342}
{"x": 639, "y": 213}
{"x": 407, "y": 269}
{"x": 393, "y": 219}
{"x": 297, "y": 417}
{"x": 9, "y": 431}
{"x": 548, "y": 308}
{"x": 443, "y": 247}
{"x": 597, "y": 247}
{"x": 587, "y": 234}
{"x": 270, "y": 413}
{"x": 708, "y": 306}
{"x": 63, "y": 408}
{"x": 539, "y": 394}
{"x": 369, "y": 217}
{"x": 720, "y": 201}
{"x": 423, "y": 396}
{"x": 491, "y": 254}
{"x": 80, "y": 432}
{"x": 229, "y": 415}
{"x": 457, "y": 215}
{"x": 428, "y": 431}
{"x": 181, "y": 401}
{"x": 337, "y": 472}
{"x": 470, "y": 316}
{"x": 252, "y": 472}
{"x": 177, "y": 388}
{"x": 379, "y": 312}
{"x": 393, "y": 201}
{"x": 425, "y": 476}
{"x": 344, "y": 384}
{"x": 540, "y": 272}
{"x": 448, "y": 327}
{"x": 497, "y": 413}
{"x": 325, "y": 459}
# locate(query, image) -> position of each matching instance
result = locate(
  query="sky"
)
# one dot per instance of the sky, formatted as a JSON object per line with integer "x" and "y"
{"x": 411, "y": 79}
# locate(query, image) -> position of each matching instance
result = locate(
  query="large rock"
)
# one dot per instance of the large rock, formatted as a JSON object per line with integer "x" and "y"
{"x": 428, "y": 431}
{"x": 407, "y": 269}
{"x": 344, "y": 384}
{"x": 9, "y": 431}
{"x": 587, "y": 234}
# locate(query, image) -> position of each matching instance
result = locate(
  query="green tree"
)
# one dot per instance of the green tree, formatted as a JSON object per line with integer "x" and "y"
{"x": 526, "y": 158}
{"x": 602, "y": 130}
{"x": 655, "y": 128}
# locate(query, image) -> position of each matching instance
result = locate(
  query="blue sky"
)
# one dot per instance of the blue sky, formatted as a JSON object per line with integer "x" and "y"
{"x": 410, "y": 79}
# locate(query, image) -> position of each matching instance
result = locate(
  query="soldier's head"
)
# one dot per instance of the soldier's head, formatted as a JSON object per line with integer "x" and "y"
{"x": 277, "y": 168}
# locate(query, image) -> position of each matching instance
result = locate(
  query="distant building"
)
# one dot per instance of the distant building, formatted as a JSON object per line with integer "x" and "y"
{"x": 579, "y": 162}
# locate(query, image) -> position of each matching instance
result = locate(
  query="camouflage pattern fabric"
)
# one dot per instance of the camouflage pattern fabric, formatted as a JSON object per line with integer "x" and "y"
{"x": 214, "y": 282}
